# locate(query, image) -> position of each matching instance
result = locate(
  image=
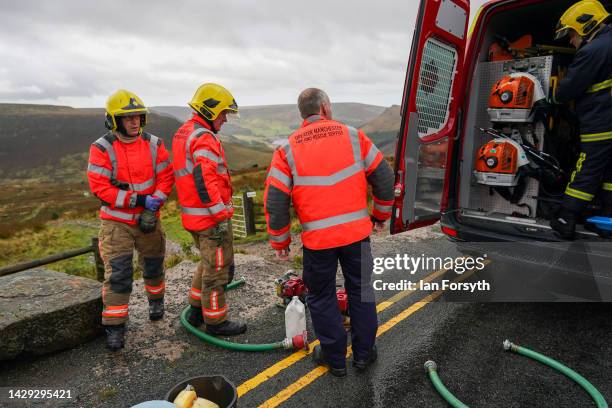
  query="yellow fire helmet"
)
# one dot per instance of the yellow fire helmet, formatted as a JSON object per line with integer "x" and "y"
{"x": 124, "y": 103}
{"x": 583, "y": 17}
{"x": 212, "y": 99}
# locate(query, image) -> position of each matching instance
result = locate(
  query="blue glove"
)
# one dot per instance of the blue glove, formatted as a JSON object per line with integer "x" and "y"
{"x": 153, "y": 203}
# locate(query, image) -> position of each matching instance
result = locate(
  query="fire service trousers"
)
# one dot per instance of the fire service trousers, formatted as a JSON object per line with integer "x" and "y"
{"x": 117, "y": 243}
{"x": 593, "y": 172}
{"x": 320, "y": 268}
{"x": 214, "y": 271}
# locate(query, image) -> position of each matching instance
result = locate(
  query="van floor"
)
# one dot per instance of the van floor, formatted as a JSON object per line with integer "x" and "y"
{"x": 490, "y": 220}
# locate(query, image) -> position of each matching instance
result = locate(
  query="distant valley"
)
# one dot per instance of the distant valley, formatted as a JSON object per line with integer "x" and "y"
{"x": 44, "y": 150}
{"x": 53, "y": 141}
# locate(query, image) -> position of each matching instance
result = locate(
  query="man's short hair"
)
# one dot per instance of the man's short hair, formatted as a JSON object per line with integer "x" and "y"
{"x": 310, "y": 101}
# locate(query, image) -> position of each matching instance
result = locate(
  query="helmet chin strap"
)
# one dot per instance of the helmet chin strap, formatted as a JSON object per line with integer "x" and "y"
{"x": 209, "y": 122}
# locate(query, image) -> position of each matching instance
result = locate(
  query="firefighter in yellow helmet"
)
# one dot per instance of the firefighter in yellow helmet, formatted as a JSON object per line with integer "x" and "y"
{"x": 131, "y": 194}
{"x": 589, "y": 83}
{"x": 205, "y": 194}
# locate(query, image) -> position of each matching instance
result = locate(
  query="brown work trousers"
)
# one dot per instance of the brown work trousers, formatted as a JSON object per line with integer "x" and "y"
{"x": 117, "y": 243}
{"x": 213, "y": 272}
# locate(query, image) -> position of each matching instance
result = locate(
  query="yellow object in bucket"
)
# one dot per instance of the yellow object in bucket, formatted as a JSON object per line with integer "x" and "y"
{"x": 186, "y": 398}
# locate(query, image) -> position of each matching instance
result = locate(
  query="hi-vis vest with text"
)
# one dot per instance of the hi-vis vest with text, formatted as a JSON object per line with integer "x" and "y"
{"x": 324, "y": 168}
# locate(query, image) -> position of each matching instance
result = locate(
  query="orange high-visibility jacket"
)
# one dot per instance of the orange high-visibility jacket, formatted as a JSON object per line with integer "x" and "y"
{"x": 118, "y": 172}
{"x": 324, "y": 168}
{"x": 202, "y": 176}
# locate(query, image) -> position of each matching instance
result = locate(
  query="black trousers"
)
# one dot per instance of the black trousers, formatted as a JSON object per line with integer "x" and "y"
{"x": 593, "y": 172}
{"x": 320, "y": 268}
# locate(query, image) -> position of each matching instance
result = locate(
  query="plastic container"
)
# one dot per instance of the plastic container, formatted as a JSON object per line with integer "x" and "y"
{"x": 155, "y": 404}
{"x": 215, "y": 388}
{"x": 295, "y": 318}
{"x": 603, "y": 223}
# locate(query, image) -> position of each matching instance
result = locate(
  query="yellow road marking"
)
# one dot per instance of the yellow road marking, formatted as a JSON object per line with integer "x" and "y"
{"x": 276, "y": 368}
{"x": 319, "y": 371}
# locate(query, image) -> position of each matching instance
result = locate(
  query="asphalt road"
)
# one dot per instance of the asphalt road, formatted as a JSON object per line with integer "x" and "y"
{"x": 464, "y": 338}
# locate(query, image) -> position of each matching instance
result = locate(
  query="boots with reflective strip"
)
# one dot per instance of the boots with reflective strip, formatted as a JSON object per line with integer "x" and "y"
{"x": 156, "y": 309}
{"x": 564, "y": 224}
{"x": 227, "y": 328}
{"x": 115, "y": 337}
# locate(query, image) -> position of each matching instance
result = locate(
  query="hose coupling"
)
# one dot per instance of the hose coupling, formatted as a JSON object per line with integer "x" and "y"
{"x": 430, "y": 365}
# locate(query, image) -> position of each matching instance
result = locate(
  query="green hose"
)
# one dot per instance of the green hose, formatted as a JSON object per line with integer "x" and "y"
{"x": 588, "y": 387}
{"x": 431, "y": 367}
{"x": 223, "y": 343}
{"x": 235, "y": 283}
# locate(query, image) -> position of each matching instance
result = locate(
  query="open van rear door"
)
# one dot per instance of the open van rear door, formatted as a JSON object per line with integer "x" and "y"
{"x": 429, "y": 112}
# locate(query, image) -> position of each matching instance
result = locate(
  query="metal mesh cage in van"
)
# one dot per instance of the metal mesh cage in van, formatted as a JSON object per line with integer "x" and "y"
{"x": 436, "y": 76}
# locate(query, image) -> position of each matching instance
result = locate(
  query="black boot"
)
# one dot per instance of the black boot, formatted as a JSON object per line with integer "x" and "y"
{"x": 564, "y": 224}
{"x": 195, "y": 316}
{"x": 156, "y": 309}
{"x": 227, "y": 328}
{"x": 319, "y": 358}
{"x": 115, "y": 337}
{"x": 363, "y": 364}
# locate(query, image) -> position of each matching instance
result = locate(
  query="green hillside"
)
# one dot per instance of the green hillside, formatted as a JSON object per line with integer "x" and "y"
{"x": 262, "y": 125}
{"x": 383, "y": 129}
{"x": 52, "y": 141}
{"x": 32, "y": 136}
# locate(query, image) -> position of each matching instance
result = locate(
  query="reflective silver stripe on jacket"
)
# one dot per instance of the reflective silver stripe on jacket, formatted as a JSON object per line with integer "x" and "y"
{"x": 354, "y": 137}
{"x": 188, "y": 169}
{"x": 331, "y": 179}
{"x": 160, "y": 194}
{"x": 280, "y": 176}
{"x": 99, "y": 170}
{"x": 111, "y": 154}
{"x": 280, "y": 238}
{"x": 371, "y": 156}
{"x": 343, "y": 174}
{"x": 335, "y": 220}
{"x": 208, "y": 154}
{"x": 153, "y": 149}
{"x": 161, "y": 166}
{"x": 143, "y": 186}
{"x": 120, "y": 198}
{"x": 383, "y": 208}
{"x": 118, "y": 214}
{"x": 215, "y": 209}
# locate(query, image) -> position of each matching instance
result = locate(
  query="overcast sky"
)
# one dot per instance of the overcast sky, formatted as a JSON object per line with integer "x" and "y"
{"x": 76, "y": 53}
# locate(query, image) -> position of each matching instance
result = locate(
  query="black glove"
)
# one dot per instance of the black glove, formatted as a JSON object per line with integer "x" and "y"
{"x": 147, "y": 221}
{"x": 120, "y": 185}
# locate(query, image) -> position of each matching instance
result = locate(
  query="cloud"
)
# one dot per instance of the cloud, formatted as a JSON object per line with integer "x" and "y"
{"x": 75, "y": 52}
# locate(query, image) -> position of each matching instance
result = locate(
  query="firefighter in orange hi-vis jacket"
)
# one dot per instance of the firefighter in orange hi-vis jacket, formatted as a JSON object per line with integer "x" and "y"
{"x": 130, "y": 171}
{"x": 324, "y": 168}
{"x": 205, "y": 193}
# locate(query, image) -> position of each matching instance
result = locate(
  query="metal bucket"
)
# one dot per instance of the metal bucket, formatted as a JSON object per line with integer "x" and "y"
{"x": 215, "y": 388}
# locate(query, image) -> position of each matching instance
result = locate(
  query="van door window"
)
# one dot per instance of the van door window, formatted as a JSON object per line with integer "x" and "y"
{"x": 435, "y": 86}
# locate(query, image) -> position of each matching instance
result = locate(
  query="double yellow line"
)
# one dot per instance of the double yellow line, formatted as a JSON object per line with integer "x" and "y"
{"x": 273, "y": 370}
{"x": 319, "y": 371}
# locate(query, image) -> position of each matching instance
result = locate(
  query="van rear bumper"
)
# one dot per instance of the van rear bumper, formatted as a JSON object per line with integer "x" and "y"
{"x": 534, "y": 270}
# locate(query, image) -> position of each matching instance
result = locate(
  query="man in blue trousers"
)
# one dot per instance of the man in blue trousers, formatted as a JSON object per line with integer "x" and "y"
{"x": 324, "y": 168}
